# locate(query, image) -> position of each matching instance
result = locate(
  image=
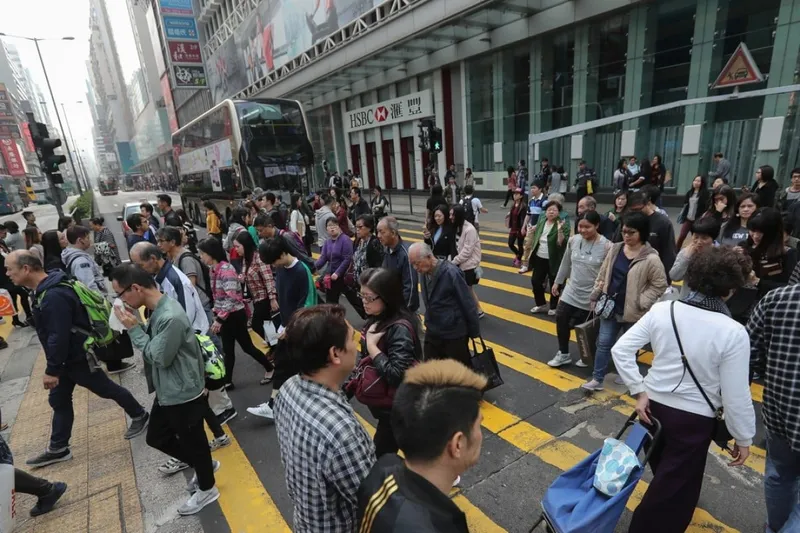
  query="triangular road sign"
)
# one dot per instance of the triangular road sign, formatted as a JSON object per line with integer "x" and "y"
{"x": 740, "y": 69}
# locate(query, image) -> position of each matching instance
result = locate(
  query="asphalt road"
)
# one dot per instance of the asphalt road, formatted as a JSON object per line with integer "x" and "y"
{"x": 538, "y": 424}
{"x": 46, "y": 215}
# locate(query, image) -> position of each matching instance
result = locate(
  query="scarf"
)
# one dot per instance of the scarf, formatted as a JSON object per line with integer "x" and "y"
{"x": 709, "y": 303}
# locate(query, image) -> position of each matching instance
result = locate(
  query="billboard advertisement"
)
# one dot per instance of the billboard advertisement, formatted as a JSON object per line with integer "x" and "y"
{"x": 172, "y": 117}
{"x": 12, "y": 157}
{"x": 176, "y": 7}
{"x": 185, "y": 52}
{"x": 180, "y": 28}
{"x": 190, "y": 77}
{"x": 272, "y": 35}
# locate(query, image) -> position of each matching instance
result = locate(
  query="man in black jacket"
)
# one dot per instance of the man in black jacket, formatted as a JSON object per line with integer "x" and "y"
{"x": 396, "y": 258}
{"x": 662, "y": 234}
{"x": 451, "y": 316}
{"x": 266, "y": 229}
{"x": 59, "y": 318}
{"x": 359, "y": 206}
{"x": 436, "y": 421}
{"x": 171, "y": 218}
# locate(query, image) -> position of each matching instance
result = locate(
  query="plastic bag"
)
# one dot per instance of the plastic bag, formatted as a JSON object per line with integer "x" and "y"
{"x": 617, "y": 461}
{"x": 270, "y": 333}
{"x": 6, "y": 304}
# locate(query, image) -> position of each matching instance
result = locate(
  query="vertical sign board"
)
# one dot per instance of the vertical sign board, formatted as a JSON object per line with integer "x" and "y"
{"x": 166, "y": 90}
{"x": 26, "y": 133}
{"x": 6, "y": 110}
{"x": 182, "y": 37}
{"x": 12, "y": 157}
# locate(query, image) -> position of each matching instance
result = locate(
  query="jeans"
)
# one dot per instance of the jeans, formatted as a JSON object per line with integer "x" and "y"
{"x": 61, "y": 400}
{"x": 567, "y": 317}
{"x": 782, "y": 486}
{"x": 177, "y": 430}
{"x": 609, "y": 331}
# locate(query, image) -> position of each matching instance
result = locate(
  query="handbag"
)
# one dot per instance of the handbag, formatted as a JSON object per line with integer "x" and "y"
{"x": 586, "y": 334}
{"x": 367, "y": 384}
{"x": 720, "y": 435}
{"x": 604, "y": 307}
{"x": 485, "y": 363}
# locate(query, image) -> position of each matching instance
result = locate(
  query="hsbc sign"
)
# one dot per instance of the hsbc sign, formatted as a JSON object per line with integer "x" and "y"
{"x": 410, "y": 107}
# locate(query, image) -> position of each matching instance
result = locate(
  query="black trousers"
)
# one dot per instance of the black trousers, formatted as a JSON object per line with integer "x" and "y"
{"x": 177, "y": 430}
{"x": 515, "y": 242}
{"x": 541, "y": 273}
{"x": 678, "y": 464}
{"x": 338, "y": 288}
{"x": 20, "y": 292}
{"x": 436, "y": 348}
{"x": 509, "y": 195}
{"x": 28, "y": 484}
{"x": 567, "y": 317}
{"x": 234, "y": 330}
{"x": 384, "y": 435}
{"x": 261, "y": 313}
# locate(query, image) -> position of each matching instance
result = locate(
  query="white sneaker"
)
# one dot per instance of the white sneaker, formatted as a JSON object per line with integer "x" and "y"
{"x": 539, "y": 308}
{"x": 219, "y": 442}
{"x": 193, "y": 486}
{"x": 551, "y": 312}
{"x": 263, "y": 410}
{"x": 198, "y": 500}
{"x": 172, "y": 466}
{"x": 457, "y": 482}
{"x": 560, "y": 359}
{"x": 523, "y": 269}
{"x": 592, "y": 385}
{"x": 580, "y": 364}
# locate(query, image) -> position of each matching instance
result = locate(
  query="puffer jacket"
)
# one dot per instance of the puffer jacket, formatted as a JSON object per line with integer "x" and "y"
{"x": 645, "y": 284}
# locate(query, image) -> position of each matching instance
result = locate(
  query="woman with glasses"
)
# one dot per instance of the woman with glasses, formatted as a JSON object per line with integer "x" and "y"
{"x": 230, "y": 318}
{"x": 630, "y": 281}
{"x": 390, "y": 338}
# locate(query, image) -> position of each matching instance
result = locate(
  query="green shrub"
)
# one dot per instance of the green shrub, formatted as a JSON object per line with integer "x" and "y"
{"x": 84, "y": 206}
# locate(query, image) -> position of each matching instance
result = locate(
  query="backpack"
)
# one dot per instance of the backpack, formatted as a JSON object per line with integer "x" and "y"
{"x": 469, "y": 210}
{"x": 97, "y": 307}
{"x": 214, "y": 362}
{"x": 206, "y": 274}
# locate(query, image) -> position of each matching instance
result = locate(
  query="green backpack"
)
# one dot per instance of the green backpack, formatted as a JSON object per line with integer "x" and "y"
{"x": 98, "y": 308}
{"x": 215, "y": 364}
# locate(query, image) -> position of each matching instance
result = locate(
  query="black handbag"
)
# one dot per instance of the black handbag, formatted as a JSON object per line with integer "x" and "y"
{"x": 720, "y": 436}
{"x": 485, "y": 363}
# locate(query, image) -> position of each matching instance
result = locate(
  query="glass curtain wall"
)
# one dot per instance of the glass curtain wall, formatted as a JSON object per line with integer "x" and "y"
{"x": 321, "y": 129}
{"x": 480, "y": 109}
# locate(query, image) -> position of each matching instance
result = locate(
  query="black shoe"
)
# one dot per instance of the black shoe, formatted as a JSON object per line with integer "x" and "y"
{"x": 230, "y": 386}
{"x": 122, "y": 368}
{"x": 226, "y": 416}
{"x": 49, "y": 500}
{"x": 17, "y": 323}
{"x": 49, "y": 458}
{"x": 3, "y": 344}
{"x": 137, "y": 427}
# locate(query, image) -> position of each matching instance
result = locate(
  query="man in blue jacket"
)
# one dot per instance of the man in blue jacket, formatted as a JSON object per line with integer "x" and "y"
{"x": 451, "y": 316}
{"x": 60, "y": 316}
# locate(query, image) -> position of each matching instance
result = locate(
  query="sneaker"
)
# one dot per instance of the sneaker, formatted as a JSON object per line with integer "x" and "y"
{"x": 123, "y": 368}
{"x": 523, "y": 269}
{"x": 263, "y": 410}
{"x": 516, "y": 262}
{"x": 219, "y": 442}
{"x": 137, "y": 427}
{"x": 560, "y": 359}
{"x": 481, "y": 314}
{"x": 46, "y": 503}
{"x": 49, "y": 458}
{"x": 592, "y": 385}
{"x": 226, "y": 416}
{"x": 457, "y": 482}
{"x": 539, "y": 308}
{"x": 198, "y": 500}
{"x": 619, "y": 381}
{"x": 580, "y": 364}
{"x": 172, "y": 466}
{"x": 551, "y": 312}
{"x": 193, "y": 487}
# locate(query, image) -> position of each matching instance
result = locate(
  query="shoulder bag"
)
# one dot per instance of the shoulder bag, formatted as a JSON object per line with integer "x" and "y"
{"x": 605, "y": 305}
{"x": 720, "y": 436}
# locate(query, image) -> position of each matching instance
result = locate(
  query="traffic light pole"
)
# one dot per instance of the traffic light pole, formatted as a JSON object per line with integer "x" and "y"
{"x": 53, "y": 193}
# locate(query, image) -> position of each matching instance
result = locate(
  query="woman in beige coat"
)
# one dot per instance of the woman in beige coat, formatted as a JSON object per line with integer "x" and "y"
{"x": 631, "y": 280}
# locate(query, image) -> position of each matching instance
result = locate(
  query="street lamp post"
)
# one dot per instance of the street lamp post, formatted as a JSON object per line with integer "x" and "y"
{"x": 55, "y": 108}
{"x": 75, "y": 147}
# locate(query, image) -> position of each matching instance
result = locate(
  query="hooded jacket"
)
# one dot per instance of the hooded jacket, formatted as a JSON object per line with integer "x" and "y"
{"x": 56, "y": 311}
{"x": 81, "y": 266}
{"x": 320, "y": 221}
{"x": 233, "y": 232}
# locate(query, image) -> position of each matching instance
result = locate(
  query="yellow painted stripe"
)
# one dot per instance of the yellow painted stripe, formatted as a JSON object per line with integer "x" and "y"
{"x": 6, "y": 328}
{"x": 487, "y": 242}
{"x": 246, "y": 504}
{"x": 484, "y": 233}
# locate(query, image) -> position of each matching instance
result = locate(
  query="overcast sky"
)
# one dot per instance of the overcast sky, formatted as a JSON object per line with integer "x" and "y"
{"x": 66, "y": 60}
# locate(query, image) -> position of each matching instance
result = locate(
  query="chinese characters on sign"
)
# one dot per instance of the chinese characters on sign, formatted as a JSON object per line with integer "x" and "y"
{"x": 185, "y": 52}
{"x": 189, "y": 77}
{"x": 11, "y": 155}
{"x": 410, "y": 107}
{"x": 180, "y": 28}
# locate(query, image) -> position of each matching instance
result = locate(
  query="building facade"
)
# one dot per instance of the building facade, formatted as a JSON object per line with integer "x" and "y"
{"x": 521, "y": 79}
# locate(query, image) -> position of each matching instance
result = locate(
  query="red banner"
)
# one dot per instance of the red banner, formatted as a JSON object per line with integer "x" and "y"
{"x": 185, "y": 52}
{"x": 166, "y": 91}
{"x": 12, "y": 157}
{"x": 26, "y": 133}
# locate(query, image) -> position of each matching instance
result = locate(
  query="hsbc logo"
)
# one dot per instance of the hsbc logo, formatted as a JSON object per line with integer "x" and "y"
{"x": 381, "y": 114}
{"x": 397, "y": 110}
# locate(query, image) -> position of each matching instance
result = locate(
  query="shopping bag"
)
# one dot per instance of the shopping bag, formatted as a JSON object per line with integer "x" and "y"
{"x": 270, "y": 333}
{"x": 485, "y": 362}
{"x": 6, "y": 304}
{"x": 614, "y": 467}
{"x": 586, "y": 335}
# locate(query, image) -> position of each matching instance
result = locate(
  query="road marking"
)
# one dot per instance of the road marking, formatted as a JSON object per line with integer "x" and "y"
{"x": 487, "y": 242}
{"x": 482, "y": 232}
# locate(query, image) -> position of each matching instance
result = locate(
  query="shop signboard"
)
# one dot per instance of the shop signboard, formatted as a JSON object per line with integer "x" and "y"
{"x": 183, "y": 52}
{"x": 413, "y": 106}
{"x": 11, "y": 155}
{"x": 187, "y": 77}
{"x": 180, "y": 28}
{"x": 176, "y": 7}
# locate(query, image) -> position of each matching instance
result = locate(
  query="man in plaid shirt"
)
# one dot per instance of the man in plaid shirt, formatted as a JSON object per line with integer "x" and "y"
{"x": 774, "y": 329}
{"x": 326, "y": 453}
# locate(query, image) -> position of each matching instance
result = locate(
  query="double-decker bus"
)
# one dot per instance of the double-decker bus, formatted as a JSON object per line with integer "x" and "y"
{"x": 128, "y": 183}
{"x": 108, "y": 186}
{"x": 239, "y": 145}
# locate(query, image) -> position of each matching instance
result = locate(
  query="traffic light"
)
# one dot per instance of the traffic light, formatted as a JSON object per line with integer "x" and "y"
{"x": 436, "y": 140}
{"x": 45, "y": 151}
{"x": 425, "y": 130}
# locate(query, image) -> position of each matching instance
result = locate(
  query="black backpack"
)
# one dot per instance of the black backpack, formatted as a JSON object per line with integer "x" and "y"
{"x": 206, "y": 274}
{"x": 469, "y": 211}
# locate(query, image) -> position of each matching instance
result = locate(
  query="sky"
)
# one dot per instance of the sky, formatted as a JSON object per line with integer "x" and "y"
{"x": 66, "y": 60}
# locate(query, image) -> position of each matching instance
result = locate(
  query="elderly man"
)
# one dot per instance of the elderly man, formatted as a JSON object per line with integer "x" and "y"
{"x": 451, "y": 316}
{"x": 588, "y": 203}
{"x": 396, "y": 258}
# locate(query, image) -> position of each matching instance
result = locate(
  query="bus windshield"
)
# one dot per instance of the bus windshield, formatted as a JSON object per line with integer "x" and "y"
{"x": 273, "y": 132}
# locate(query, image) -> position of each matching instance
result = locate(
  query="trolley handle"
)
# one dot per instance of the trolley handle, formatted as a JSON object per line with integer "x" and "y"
{"x": 653, "y": 431}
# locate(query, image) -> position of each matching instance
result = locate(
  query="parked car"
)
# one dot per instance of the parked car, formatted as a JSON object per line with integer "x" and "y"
{"x": 135, "y": 207}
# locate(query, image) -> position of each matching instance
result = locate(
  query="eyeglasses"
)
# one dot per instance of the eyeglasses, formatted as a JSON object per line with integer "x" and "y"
{"x": 124, "y": 291}
{"x": 368, "y": 299}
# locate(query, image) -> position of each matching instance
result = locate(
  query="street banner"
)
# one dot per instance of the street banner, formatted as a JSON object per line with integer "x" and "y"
{"x": 11, "y": 155}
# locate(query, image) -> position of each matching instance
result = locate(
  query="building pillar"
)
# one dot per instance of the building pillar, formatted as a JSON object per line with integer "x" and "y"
{"x": 642, "y": 33}
{"x": 785, "y": 51}
{"x": 340, "y": 142}
{"x": 398, "y": 152}
{"x": 361, "y": 136}
{"x": 541, "y": 95}
{"x": 709, "y": 25}
{"x": 584, "y": 97}
{"x": 418, "y": 173}
{"x": 438, "y": 109}
{"x": 348, "y": 140}
{"x": 465, "y": 114}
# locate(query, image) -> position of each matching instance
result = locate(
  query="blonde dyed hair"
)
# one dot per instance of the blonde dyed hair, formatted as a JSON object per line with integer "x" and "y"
{"x": 445, "y": 373}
